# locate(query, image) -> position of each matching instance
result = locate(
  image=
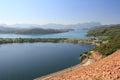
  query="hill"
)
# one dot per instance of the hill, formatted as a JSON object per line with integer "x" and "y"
{"x": 113, "y": 43}
{"x": 107, "y": 46}
{"x": 105, "y": 69}
{"x": 105, "y": 31}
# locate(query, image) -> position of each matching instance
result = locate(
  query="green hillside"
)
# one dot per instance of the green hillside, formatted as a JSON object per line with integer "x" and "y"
{"x": 105, "y": 31}
{"x": 111, "y": 44}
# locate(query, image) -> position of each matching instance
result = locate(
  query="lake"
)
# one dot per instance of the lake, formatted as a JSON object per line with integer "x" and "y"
{"x": 26, "y": 61}
{"x": 71, "y": 34}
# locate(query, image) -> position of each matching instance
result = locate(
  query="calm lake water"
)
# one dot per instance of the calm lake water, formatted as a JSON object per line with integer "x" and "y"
{"x": 26, "y": 61}
{"x": 71, "y": 34}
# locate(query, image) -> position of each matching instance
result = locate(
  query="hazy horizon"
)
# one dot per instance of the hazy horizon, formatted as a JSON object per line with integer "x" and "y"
{"x": 59, "y": 11}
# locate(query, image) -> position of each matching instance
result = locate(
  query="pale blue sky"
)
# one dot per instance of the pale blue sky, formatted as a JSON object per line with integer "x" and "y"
{"x": 59, "y": 11}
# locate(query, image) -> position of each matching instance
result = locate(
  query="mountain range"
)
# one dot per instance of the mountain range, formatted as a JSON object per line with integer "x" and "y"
{"x": 43, "y": 29}
{"x": 56, "y": 26}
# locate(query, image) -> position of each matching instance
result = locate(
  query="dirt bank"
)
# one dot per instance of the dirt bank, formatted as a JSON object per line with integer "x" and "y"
{"x": 105, "y": 69}
{"x": 95, "y": 56}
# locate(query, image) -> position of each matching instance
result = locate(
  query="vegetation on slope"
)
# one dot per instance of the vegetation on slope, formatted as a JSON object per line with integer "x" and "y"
{"x": 110, "y": 47}
{"x": 105, "y": 31}
{"x": 106, "y": 47}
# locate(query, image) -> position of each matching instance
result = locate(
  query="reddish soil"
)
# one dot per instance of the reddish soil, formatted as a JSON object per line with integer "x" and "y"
{"x": 104, "y": 69}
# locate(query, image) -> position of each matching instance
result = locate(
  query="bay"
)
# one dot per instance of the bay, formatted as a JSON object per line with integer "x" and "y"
{"x": 26, "y": 61}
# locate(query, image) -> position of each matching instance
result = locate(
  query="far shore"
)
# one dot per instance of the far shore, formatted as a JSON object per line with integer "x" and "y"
{"x": 54, "y": 40}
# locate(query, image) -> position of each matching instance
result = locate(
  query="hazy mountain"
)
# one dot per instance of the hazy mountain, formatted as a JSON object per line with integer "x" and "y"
{"x": 73, "y": 26}
{"x": 44, "y": 29}
{"x": 57, "y": 26}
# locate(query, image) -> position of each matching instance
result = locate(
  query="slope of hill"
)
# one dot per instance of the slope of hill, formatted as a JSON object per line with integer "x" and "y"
{"x": 105, "y": 69}
{"x": 113, "y": 33}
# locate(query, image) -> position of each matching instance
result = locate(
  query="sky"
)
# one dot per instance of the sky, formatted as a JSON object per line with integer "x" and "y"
{"x": 59, "y": 11}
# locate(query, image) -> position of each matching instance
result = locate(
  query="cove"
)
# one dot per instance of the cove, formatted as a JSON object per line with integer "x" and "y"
{"x": 26, "y": 61}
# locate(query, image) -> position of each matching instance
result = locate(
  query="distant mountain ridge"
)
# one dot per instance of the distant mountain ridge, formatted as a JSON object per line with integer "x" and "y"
{"x": 56, "y": 26}
{"x": 43, "y": 29}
